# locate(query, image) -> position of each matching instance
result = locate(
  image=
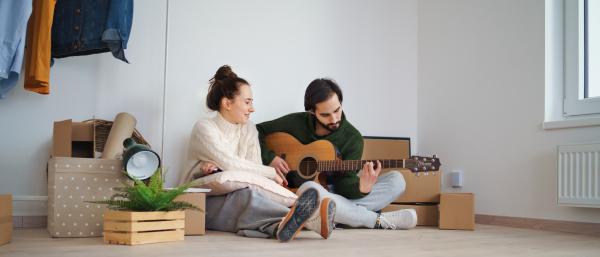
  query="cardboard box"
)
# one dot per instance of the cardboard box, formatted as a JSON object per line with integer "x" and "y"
{"x": 71, "y": 182}
{"x": 457, "y": 211}
{"x": 425, "y": 188}
{"x": 73, "y": 139}
{"x": 427, "y": 214}
{"x": 6, "y": 225}
{"x": 194, "y": 220}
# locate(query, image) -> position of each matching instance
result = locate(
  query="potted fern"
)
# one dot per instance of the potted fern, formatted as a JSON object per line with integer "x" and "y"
{"x": 146, "y": 213}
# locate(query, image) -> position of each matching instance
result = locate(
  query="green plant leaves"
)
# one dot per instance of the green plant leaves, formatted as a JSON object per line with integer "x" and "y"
{"x": 151, "y": 197}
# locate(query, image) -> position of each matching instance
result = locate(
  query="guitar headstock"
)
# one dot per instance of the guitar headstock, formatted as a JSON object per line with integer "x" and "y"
{"x": 423, "y": 164}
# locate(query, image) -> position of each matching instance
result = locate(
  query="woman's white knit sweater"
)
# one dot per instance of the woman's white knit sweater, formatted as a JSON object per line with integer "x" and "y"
{"x": 229, "y": 146}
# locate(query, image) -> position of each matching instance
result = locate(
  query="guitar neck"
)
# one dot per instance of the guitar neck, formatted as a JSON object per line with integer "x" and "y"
{"x": 358, "y": 164}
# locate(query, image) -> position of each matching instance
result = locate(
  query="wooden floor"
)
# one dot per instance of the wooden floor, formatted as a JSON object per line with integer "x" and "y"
{"x": 486, "y": 241}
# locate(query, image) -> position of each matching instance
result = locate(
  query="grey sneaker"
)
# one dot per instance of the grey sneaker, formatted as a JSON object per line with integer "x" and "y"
{"x": 322, "y": 220}
{"x": 401, "y": 219}
{"x": 304, "y": 208}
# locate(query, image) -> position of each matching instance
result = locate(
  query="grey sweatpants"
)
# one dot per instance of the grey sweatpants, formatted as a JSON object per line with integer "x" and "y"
{"x": 248, "y": 213}
{"x": 361, "y": 212}
{"x": 245, "y": 212}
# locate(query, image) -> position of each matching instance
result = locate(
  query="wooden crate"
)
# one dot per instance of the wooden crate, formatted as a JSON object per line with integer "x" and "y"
{"x": 134, "y": 228}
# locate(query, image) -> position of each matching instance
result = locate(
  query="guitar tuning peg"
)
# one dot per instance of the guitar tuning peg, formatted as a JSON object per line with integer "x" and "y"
{"x": 435, "y": 156}
{"x": 434, "y": 173}
{"x": 417, "y": 174}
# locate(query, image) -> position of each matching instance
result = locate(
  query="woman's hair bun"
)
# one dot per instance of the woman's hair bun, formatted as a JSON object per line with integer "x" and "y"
{"x": 224, "y": 72}
{"x": 226, "y": 84}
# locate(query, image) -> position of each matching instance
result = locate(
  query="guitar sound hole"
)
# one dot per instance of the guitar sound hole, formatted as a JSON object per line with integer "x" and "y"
{"x": 308, "y": 167}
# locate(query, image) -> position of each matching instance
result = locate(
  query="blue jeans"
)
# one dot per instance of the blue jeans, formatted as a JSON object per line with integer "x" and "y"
{"x": 361, "y": 212}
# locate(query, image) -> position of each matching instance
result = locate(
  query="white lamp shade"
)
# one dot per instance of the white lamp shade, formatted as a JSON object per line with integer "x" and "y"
{"x": 142, "y": 165}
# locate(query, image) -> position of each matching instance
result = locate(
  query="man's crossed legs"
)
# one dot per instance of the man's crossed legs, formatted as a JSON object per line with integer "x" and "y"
{"x": 362, "y": 212}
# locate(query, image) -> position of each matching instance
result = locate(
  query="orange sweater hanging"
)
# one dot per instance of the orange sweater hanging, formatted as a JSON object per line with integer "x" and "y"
{"x": 37, "y": 59}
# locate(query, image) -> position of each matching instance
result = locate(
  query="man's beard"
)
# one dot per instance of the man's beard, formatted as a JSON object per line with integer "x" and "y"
{"x": 327, "y": 126}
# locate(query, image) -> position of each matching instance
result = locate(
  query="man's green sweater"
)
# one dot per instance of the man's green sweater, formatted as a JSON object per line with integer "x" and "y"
{"x": 301, "y": 125}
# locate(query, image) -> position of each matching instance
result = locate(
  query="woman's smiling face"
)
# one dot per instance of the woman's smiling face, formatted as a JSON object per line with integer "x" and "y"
{"x": 238, "y": 110}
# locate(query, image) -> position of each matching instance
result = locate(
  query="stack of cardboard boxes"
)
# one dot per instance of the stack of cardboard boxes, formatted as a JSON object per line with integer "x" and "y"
{"x": 75, "y": 177}
{"x": 423, "y": 192}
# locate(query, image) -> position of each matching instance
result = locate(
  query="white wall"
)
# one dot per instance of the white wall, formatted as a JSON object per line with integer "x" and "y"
{"x": 481, "y": 106}
{"x": 81, "y": 87}
{"x": 368, "y": 47}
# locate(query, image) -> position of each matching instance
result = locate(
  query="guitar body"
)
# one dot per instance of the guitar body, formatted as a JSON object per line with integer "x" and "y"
{"x": 301, "y": 159}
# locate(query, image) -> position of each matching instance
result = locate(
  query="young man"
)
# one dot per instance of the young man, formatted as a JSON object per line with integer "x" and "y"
{"x": 357, "y": 198}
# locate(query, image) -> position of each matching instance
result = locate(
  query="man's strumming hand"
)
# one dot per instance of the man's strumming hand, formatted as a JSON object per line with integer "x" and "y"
{"x": 278, "y": 180}
{"x": 281, "y": 168}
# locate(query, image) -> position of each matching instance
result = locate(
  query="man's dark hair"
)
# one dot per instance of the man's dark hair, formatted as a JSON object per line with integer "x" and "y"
{"x": 320, "y": 90}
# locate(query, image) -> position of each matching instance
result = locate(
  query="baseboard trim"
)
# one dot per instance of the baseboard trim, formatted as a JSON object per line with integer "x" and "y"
{"x": 583, "y": 228}
{"x": 30, "y": 221}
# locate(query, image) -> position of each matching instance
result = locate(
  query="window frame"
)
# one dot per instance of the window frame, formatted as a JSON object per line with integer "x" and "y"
{"x": 574, "y": 62}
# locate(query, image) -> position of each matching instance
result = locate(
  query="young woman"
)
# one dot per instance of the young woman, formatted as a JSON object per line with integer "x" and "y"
{"x": 230, "y": 142}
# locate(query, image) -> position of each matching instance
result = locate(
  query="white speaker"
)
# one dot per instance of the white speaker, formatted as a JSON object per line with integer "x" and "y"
{"x": 456, "y": 178}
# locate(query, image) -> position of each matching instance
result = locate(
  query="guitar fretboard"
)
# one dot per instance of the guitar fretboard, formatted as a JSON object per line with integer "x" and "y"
{"x": 359, "y": 164}
{"x": 414, "y": 164}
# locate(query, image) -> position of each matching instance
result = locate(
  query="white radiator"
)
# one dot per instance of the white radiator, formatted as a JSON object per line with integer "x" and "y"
{"x": 578, "y": 175}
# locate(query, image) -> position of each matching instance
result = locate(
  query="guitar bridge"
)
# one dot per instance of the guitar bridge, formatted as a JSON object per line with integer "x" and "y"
{"x": 283, "y": 156}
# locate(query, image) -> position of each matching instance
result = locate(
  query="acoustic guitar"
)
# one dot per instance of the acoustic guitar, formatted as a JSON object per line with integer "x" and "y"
{"x": 320, "y": 159}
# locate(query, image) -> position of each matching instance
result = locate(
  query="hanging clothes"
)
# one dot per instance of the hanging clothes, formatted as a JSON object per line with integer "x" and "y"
{"x": 84, "y": 27}
{"x": 37, "y": 57}
{"x": 13, "y": 28}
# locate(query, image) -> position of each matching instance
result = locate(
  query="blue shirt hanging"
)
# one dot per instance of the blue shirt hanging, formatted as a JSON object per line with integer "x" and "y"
{"x": 84, "y": 27}
{"x": 13, "y": 28}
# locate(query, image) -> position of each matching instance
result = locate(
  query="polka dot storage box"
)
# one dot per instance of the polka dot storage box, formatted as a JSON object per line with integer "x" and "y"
{"x": 71, "y": 182}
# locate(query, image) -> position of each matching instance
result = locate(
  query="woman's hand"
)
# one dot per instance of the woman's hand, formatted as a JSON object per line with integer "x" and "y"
{"x": 208, "y": 168}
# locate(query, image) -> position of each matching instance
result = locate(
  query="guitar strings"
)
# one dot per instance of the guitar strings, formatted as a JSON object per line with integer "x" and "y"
{"x": 355, "y": 162}
{"x": 312, "y": 165}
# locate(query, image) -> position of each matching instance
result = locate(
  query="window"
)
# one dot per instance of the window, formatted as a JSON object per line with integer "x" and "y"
{"x": 581, "y": 57}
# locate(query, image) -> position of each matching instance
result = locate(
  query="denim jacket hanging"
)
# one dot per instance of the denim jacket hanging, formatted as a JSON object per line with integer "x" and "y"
{"x": 84, "y": 27}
